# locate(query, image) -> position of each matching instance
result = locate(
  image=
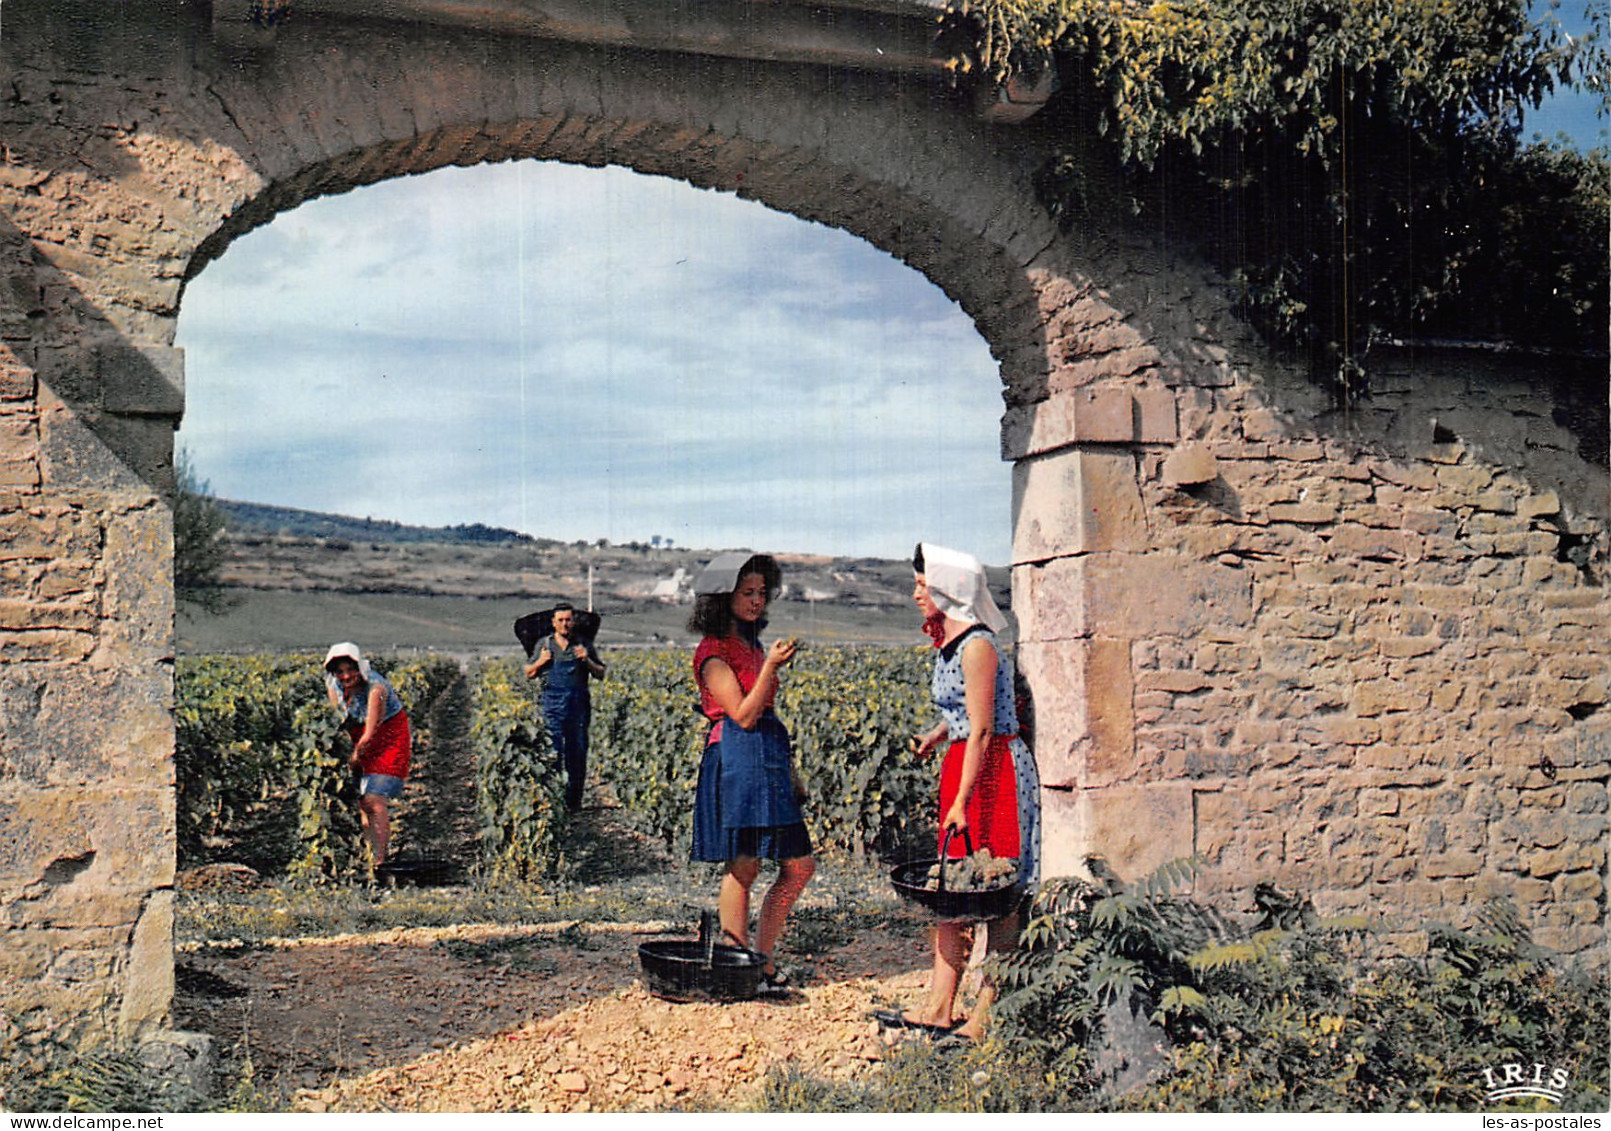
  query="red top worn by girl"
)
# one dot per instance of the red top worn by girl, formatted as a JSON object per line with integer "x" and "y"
{"x": 745, "y": 661}
{"x": 391, "y": 750}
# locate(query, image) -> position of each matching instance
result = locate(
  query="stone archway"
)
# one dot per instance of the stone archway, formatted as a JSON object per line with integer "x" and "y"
{"x": 1235, "y": 607}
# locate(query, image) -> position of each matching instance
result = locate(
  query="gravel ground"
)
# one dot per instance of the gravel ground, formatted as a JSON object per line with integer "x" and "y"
{"x": 551, "y": 1017}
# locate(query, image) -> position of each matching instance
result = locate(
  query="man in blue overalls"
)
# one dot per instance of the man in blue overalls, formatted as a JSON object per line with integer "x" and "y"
{"x": 567, "y": 664}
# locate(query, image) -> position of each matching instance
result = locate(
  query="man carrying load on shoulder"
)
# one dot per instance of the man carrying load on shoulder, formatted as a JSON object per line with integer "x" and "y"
{"x": 567, "y": 664}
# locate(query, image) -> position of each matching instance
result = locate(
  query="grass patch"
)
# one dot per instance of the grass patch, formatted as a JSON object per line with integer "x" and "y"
{"x": 845, "y": 897}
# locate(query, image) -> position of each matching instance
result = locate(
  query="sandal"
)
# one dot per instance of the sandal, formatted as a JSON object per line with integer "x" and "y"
{"x": 776, "y": 982}
{"x": 895, "y": 1019}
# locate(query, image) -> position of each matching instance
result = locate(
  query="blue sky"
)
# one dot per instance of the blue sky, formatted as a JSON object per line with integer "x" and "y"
{"x": 589, "y": 353}
{"x": 585, "y": 353}
{"x": 1571, "y": 113}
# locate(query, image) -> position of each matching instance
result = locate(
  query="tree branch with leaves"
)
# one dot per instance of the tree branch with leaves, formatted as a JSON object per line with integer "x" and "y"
{"x": 199, "y": 546}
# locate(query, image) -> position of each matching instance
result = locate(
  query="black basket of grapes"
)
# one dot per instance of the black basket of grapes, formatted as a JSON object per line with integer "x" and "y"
{"x": 974, "y": 888}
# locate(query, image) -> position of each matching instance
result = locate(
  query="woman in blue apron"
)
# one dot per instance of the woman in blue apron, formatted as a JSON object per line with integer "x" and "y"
{"x": 747, "y": 803}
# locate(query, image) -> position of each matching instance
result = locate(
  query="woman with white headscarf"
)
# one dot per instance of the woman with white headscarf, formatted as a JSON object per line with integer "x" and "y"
{"x": 989, "y": 787}
{"x": 382, "y": 745}
{"x": 747, "y": 802}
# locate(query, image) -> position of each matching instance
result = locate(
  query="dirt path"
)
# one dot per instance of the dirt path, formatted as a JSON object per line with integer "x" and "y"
{"x": 436, "y": 816}
{"x": 542, "y": 1018}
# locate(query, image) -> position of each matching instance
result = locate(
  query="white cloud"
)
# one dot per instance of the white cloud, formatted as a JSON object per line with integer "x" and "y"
{"x": 587, "y": 353}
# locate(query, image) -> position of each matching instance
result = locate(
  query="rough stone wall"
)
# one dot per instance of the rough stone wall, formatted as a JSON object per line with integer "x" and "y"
{"x": 1406, "y": 715}
{"x": 1253, "y": 630}
{"x": 1363, "y": 655}
{"x": 86, "y": 734}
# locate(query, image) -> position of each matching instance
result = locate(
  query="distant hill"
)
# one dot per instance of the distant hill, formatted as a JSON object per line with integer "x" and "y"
{"x": 283, "y": 548}
{"x": 259, "y": 518}
{"x": 303, "y": 579}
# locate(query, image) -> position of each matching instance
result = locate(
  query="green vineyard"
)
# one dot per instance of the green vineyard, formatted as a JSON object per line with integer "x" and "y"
{"x": 261, "y": 766}
{"x": 263, "y": 777}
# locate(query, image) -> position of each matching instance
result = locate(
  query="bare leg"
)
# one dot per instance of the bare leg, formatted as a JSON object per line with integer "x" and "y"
{"x": 793, "y": 875}
{"x": 1003, "y": 936}
{"x": 377, "y": 824}
{"x": 951, "y": 946}
{"x": 733, "y": 905}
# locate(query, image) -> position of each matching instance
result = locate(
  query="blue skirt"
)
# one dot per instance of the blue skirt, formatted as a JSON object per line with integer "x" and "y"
{"x": 744, "y": 804}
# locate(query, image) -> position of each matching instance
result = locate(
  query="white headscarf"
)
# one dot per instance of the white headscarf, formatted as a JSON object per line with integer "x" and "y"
{"x": 720, "y": 575}
{"x": 349, "y": 651}
{"x": 958, "y": 586}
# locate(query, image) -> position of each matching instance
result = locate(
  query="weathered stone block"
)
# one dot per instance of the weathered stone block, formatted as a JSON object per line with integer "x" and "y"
{"x": 1136, "y": 828}
{"x": 1140, "y": 362}
{"x": 139, "y": 603}
{"x": 77, "y": 616}
{"x": 1451, "y": 865}
{"x": 1048, "y": 599}
{"x": 1109, "y": 714}
{"x": 189, "y": 1058}
{"x": 1408, "y": 647}
{"x": 1538, "y": 829}
{"x": 1414, "y": 476}
{"x": 46, "y": 841}
{"x": 1226, "y": 658}
{"x": 1570, "y": 940}
{"x": 1063, "y": 841}
{"x": 1190, "y": 466}
{"x": 68, "y": 729}
{"x": 1102, "y": 415}
{"x": 1085, "y": 725}
{"x": 94, "y": 451}
{"x": 148, "y": 974}
{"x": 1309, "y": 624}
{"x": 1579, "y": 886}
{"x": 1586, "y": 828}
{"x": 1356, "y": 541}
{"x": 22, "y": 473}
{"x": 17, "y": 379}
{"x": 1157, "y": 415}
{"x": 1519, "y": 889}
{"x": 49, "y": 534}
{"x": 1340, "y": 729}
{"x": 1570, "y": 913}
{"x": 1587, "y": 797}
{"x": 1176, "y": 682}
{"x": 1153, "y": 596}
{"x": 1378, "y": 802}
{"x": 1304, "y": 451}
{"x": 1263, "y": 425}
{"x": 1551, "y": 862}
{"x": 1075, "y": 502}
{"x": 1384, "y": 696}
{"x": 1395, "y": 870}
{"x": 44, "y": 645}
{"x": 70, "y": 374}
{"x": 23, "y": 959}
{"x": 142, "y": 380}
{"x": 1538, "y": 506}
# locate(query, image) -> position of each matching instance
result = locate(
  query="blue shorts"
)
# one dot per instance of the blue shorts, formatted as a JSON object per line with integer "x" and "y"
{"x": 382, "y": 785}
